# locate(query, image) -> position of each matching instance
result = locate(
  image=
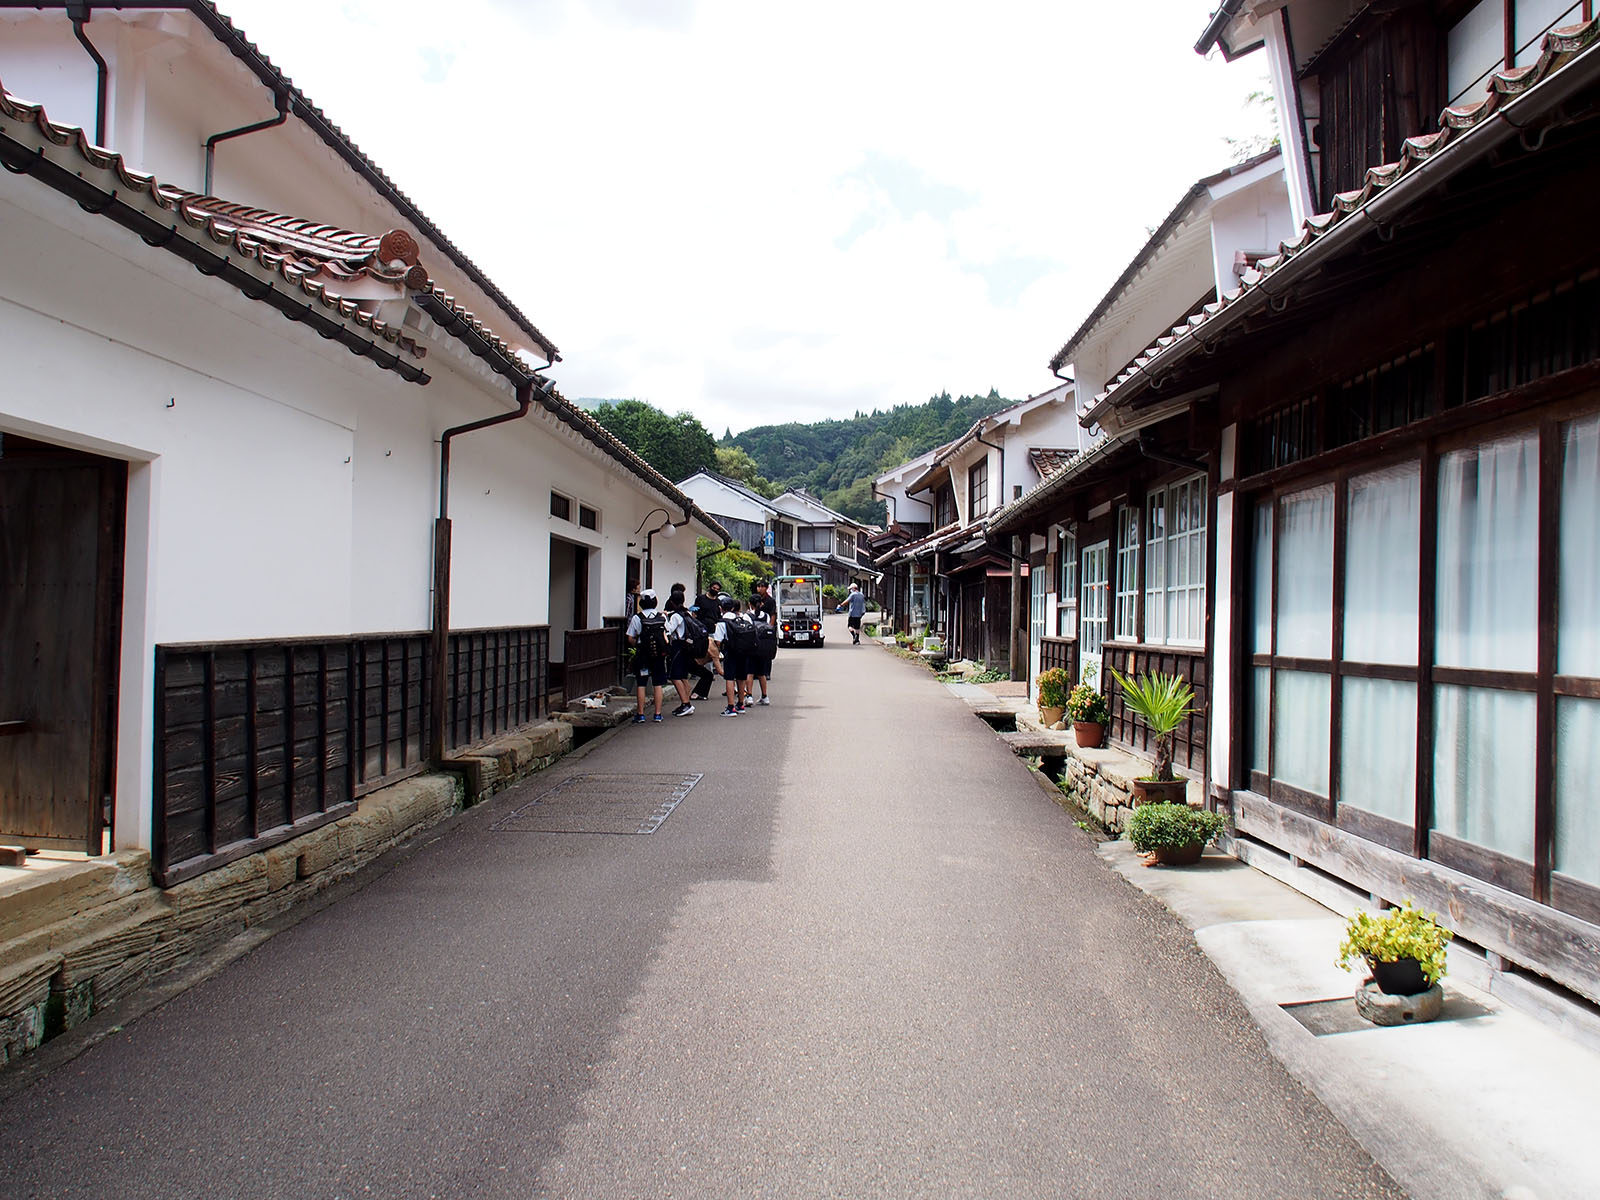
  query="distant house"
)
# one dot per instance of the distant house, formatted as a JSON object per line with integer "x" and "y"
{"x": 825, "y": 542}
{"x": 289, "y": 504}
{"x": 954, "y": 578}
{"x": 1119, "y": 534}
{"x": 747, "y": 515}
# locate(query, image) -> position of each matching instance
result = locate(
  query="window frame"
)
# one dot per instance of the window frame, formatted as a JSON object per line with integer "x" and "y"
{"x": 1421, "y": 839}
{"x": 978, "y": 489}
{"x": 1066, "y": 582}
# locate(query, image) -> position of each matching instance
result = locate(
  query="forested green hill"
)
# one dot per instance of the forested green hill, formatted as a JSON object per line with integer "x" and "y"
{"x": 838, "y": 460}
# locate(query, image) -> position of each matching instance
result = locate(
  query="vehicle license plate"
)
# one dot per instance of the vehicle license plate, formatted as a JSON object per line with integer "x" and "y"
{"x": 802, "y": 637}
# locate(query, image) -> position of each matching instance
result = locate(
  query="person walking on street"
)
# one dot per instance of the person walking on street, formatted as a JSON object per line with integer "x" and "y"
{"x": 681, "y": 649}
{"x": 732, "y": 637}
{"x": 647, "y": 634}
{"x": 766, "y": 644}
{"x": 856, "y": 602}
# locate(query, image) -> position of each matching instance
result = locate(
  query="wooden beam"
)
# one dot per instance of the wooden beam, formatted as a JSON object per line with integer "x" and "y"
{"x": 1530, "y": 934}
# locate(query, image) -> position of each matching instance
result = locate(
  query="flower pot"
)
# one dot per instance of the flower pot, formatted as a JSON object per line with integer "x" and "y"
{"x": 1403, "y": 977}
{"x": 1171, "y": 791}
{"x": 1049, "y": 716}
{"x": 1180, "y": 856}
{"x": 1088, "y": 733}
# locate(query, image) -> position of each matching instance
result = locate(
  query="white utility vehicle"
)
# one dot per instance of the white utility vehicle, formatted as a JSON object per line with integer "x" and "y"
{"x": 799, "y": 600}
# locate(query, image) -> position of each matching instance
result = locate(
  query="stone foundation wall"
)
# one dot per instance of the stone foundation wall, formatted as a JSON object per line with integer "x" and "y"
{"x": 79, "y": 936}
{"x": 1099, "y": 781}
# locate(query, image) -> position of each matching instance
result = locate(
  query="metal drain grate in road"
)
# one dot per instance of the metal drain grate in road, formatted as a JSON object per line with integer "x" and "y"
{"x": 601, "y": 804}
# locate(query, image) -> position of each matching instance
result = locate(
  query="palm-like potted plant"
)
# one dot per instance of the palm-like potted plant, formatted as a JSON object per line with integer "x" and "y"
{"x": 1164, "y": 701}
{"x": 1088, "y": 712}
{"x": 1052, "y": 695}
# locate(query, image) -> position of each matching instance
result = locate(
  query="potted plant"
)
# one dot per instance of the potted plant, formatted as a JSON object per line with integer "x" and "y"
{"x": 1404, "y": 948}
{"x": 1088, "y": 712}
{"x": 1173, "y": 835}
{"x": 1053, "y": 684}
{"x": 1163, "y": 701}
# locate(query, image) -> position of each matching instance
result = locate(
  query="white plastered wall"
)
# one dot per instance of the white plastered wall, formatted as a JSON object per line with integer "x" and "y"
{"x": 279, "y": 486}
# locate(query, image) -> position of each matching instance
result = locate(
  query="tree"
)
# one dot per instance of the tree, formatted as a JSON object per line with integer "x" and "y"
{"x": 736, "y": 464}
{"x": 676, "y": 446}
{"x": 735, "y": 569}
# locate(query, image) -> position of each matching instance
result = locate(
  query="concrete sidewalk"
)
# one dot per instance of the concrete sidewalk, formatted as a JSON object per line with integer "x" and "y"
{"x": 1485, "y": 1102}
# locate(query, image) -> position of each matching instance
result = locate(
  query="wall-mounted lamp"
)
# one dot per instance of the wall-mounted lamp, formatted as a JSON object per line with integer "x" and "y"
{"x": 666, "y": 529}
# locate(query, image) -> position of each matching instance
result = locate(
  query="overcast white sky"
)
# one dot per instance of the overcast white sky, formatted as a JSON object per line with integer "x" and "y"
{"x": 764, "y": 212}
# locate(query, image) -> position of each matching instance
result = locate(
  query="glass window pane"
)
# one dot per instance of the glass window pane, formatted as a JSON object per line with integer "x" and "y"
{"x": 1577, "y": 849}
{"x": 1261, "y": 576}
{"x": 1474, "y": 47}
{"x": 1381, "y": 570}
{"x": 1300, "y": 730}
{"x": 1488, "y": 555}
{"x": 1533, "y": 18}
{"x": 1261, "y": 725}
{"x": 1378, "y": 748}
{"x": 1483, "y": 768}
{"x": 1305, "y": 567}
{"x": 1578, "y": 638}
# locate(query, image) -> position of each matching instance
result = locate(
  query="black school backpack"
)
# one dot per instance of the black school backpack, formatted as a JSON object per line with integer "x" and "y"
{"x": 741, "y": 634}
{"x": 652, "y": 635}
{"x": 766, "y": 639}
{"x": 694, "y": 639}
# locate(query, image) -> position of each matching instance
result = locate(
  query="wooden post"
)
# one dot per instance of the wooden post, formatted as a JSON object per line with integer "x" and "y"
{"x": 1019, "y": 636}
{"x": 439, "y": 642}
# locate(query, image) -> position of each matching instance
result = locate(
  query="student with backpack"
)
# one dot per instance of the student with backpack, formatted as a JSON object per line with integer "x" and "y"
{"x": 766, "y": 649}
{"x": 686, "y": 642}
{"x": 647, "y": 634}
{"x": 735, "y": 641}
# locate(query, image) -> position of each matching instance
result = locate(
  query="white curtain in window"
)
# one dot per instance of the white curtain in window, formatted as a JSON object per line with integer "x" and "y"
{"x": 1261, "y": 712}
{"x": 1489, "y": 556}
{"x": 1305, "y": 574}
{"x": 1533, "y": 19}
{"x": 1155, "y": 568}
{"x": 1067, "y": 585}
{"x": 1261, "y": 577}
{"x": 1578, "y": 636}
{"x": 1126, "y": 623}
{"x": 1300, "y": 730}
{"x": 1384, "y": 512}
{"x": 1483, "y": 752}
{"x": 1577, "y": 849}
{"x": 1378, "y": 748}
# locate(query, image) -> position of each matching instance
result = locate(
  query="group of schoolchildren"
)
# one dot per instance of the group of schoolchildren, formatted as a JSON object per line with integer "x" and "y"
{"x": 675, "y": 642}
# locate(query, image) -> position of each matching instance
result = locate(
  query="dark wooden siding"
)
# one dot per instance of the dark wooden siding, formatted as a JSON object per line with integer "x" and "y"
{"x": 594, "y": 659}
{"x": 1383, "y": 83}
{"x": 1130, "y": 731}
{"x": 257, "y": 742}
{"x": 1059, "y": 652}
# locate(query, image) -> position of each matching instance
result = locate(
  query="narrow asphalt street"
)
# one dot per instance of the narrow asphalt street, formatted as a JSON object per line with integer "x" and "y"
{"x": 865, "y": 956}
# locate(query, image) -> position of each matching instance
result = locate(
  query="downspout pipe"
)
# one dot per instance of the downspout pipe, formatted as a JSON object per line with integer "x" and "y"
{"x": 439, "y": 637}
{"x": 78, "y": 14}
{"x": 282, "y": 98}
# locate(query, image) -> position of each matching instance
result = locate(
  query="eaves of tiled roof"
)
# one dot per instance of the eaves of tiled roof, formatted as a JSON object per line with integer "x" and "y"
{"x": 733, "y": 485}
{"x": 1048, "y": 461}
{"x": 249, "y": 54}
{"x": 304, "y": 270}
{"x": 1014, "y": 516}
{"x": 1567, "y": 62}
{"x": 1154, "y": 243}
{"x": 275, "y": 80}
